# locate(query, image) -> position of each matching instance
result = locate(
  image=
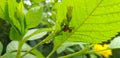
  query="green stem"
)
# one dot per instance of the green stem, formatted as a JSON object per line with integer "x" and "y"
{"x": 21, "y": 42}
{"x": 77, "y": 53}
{"x": 42, "y": 42}
{"x": 19, "y": 49}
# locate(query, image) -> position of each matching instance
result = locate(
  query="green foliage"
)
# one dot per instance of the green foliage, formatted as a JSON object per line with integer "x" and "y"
{"x": 33, "y": 16}
{"x": 3, "y": 14}
{"x": 1, "y": 48}
{"x": 82, "y": 21}
{"x": 91, "y": 22}
{"x": 12, "y": 49}
{"x": 15, "y": 34}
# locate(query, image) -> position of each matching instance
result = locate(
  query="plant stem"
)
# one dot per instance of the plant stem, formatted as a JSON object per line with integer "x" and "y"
{"x": 77, "y": 53}
{"x": 19, "y": 49}
{"x": 21, "y": 42}
{"x": 40, "y": 43}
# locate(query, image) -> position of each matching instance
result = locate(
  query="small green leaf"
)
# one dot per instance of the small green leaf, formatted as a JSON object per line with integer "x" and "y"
{"x": 60, "y": 15}
{"x": 15, "y": 34}
{"x": 20, "y": 11}
{"x": 36, "y": 33}
{"x": 33, "y": 17}
{"x": 3, "y": 9}
{"x": 12, "y": 50}
{"x": 21, "y": 17}
{"x": 12, "y": 7}
{"x": 35, "y": 36}
{"x": 1, "y": 48}
{"x": 13, "y": 47}
{"x": 115, "y": 43}
{"x": 2, "y": 14}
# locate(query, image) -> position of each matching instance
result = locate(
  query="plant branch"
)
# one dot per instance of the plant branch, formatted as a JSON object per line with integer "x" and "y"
{"x": 40, "y": 43}
{"x": 19, "y": 49}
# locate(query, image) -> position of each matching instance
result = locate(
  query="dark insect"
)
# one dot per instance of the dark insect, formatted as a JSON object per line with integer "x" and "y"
{"x": 66, "y": 28}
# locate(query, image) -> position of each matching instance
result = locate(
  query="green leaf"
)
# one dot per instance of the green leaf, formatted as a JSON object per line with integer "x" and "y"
{"x": 115, "y": 43}
{"x": 12, "y": 8}
{"x": 37, "y": 35}
{"x": 33, "y": 17}
{"x": 20, "y": 11}
{"x": 1, "y": 48}
{"x": 21, "y": 17}
{"x": 60, "y": 15}
{"x": 3, "y": 5}
{"x": 91, "y": 22}
{"x": 15, "y": 34}
{"x": 13, "y": 47}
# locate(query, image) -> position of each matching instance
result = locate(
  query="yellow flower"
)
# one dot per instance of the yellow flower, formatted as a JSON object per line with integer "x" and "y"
{"x": 105, "y": 53}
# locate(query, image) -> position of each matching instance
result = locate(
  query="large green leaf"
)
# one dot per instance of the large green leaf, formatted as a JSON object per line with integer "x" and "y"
{"x": 91, "y": 21}
{"x": 33, "y": 16}
{"x": 97, "y": 24}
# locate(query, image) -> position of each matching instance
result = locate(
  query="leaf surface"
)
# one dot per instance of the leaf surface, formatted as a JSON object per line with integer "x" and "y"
{"x": 100, "y": 22}
{"x": 93, "y": 21}
{"x": 13, "y": 47}
{"x": 33, "y": 17}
